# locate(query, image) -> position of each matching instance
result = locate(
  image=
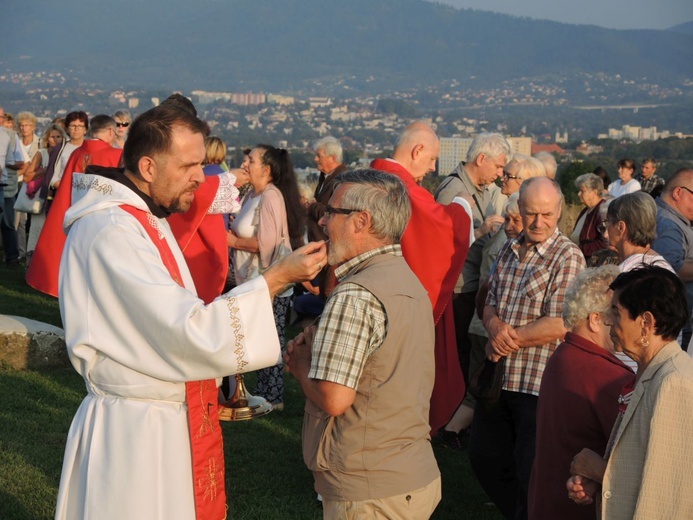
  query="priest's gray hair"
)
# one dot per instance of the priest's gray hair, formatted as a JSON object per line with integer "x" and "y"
{"x": 383, "y": 196}
{"x": 589, "y": 292}
{"x": 491, "y": 145}
{"x": 331, "y": 146}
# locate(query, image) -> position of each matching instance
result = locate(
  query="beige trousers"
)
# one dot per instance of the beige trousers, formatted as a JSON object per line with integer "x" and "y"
{"x": 414, "y": 505}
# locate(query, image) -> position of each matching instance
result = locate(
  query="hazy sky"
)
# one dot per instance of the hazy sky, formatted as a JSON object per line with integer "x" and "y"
{"x": 615, "y": 14}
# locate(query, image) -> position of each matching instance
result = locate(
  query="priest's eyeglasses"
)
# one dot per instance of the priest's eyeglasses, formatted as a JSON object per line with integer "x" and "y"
{"x": 329, "y": 210}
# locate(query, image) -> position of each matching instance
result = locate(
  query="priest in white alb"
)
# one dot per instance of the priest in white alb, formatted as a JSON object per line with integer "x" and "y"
{"x": 146, "y": 441}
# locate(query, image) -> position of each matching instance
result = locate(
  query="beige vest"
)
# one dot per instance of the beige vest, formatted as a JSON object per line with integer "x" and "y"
{"x": 380, "y": 446}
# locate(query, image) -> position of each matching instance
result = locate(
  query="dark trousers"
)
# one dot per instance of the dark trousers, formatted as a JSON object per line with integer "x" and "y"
{"x": 501, "y": 451}
{"x": 463, "y": 307}
{"x": 7, "y": 229}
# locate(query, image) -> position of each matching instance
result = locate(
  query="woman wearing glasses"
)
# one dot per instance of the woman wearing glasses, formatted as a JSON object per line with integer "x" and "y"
{"x": 123, "y": 120}
{"x": 77, "y": 124}
{"x": 270, "y": 223}
{"x": 521, "y": 168}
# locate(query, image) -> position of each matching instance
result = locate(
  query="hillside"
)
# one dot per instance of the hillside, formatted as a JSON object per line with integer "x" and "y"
{"x": 276, "y": 45}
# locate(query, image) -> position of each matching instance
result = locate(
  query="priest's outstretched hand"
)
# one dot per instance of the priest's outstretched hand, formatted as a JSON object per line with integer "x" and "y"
{"x": 303, "y": 264}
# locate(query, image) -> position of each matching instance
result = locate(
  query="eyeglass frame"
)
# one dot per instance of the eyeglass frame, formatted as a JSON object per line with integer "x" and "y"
{"x": 123, "y": 124}
{"x": 510, "y": 176}
{"x": 330, "y": 210}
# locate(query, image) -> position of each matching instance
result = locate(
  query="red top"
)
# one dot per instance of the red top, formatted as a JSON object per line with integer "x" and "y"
{"x": 436, "y": 241}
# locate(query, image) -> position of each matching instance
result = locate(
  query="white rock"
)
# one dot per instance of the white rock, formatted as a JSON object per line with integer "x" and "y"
{"x": 26, "y": 343}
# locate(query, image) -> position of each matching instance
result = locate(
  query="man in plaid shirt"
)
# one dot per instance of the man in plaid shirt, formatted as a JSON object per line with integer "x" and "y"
{"x": 523, "y": 319}
{"x": 648, "y": 179}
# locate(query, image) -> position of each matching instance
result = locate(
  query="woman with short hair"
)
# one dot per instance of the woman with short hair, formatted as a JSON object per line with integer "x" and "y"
{"x": 586, "y": 233}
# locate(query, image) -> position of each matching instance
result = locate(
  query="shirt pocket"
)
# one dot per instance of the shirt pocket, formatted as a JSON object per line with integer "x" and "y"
{"x": 538, "y": 284}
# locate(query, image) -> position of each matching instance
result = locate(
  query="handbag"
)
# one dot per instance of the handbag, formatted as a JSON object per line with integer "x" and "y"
{"x": 486, "y": 382}
{"x": 26, "y": 204}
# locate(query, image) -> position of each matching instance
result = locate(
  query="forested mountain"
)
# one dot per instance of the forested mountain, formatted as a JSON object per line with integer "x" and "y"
{"x": 276, "y": 45}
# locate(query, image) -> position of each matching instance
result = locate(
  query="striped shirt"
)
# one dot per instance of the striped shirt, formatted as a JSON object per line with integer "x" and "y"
{"x": 352, "y": 327}
{"x": 523, "y": 292}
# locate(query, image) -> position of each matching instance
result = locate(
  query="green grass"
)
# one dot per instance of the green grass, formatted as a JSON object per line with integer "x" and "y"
{"x": 265, "y": 475}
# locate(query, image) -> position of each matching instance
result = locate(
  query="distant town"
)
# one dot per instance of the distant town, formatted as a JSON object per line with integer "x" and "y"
{"x": 565, "y": 116}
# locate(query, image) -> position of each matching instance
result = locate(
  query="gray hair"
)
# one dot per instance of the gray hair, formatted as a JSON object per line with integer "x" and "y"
{"x": 382, "y": 195}
{"x": 549, "y": 162}
{"x": 26, "y": 116}
{"x": 512, "y": 205}
{"x": 123, "y": 114}
{"x": 331, "y": 146}
{"x": 491, "y": 145}
{"x": 639, "y": 211}
{"x": 588, "y": 293}
{"x": 529, "y": 167}
{"x": 590, "y": 181}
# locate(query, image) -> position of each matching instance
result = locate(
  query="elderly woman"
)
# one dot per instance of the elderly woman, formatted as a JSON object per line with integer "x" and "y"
{"x": 586, "y": 233}
{"x": 625, "y": 183}
{"x": 578, "y": 396}
{"x": 631, "y": 227}
{"x": 521, "y": 168}
{"x": 650, "y": 452}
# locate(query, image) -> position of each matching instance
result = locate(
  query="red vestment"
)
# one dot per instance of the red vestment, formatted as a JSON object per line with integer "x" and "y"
{"x": 45, "y": 263}
{"x": 435, "y": 245}
{"x": 202, "y": 238}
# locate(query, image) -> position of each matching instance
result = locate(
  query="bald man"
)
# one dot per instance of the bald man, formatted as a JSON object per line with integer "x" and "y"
{"x": 523, "y": 319}
{"x": 435, "y": 245}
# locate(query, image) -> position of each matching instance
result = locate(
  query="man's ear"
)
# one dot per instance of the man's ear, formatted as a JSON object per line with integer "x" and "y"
{"x": 480, "y": 159}
{"x": 416, "y": 151}
{"x": 362, "y": 221}
{"x": 147, "y": 167}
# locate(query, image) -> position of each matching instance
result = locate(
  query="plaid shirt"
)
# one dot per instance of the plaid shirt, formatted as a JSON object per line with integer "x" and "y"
{"x": 523, "y": 292}
{"x": 352, "y": 327}
{"x": 647, "y": 185}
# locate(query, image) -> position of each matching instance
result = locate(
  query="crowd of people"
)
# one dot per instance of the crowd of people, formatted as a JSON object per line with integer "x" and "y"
{"x": 466, "y": 316}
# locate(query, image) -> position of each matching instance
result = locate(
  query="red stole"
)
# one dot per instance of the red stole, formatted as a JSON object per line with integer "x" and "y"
{"x": 203, "y": 412}
{"x": 202, "y": 238}
{"x": 435, "y": 245}
{"x": 44, "y": 268}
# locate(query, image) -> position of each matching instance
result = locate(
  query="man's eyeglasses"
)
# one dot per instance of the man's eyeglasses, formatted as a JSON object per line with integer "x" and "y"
{"x": 75, "y": 127}
{"x": 123, "y": 125}
{"x": 509, "y": 176}
{"x": 329, "y": 210}
{"x": 687, "y": 189}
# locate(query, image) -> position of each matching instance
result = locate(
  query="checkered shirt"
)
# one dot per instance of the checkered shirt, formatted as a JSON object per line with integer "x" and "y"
{"x": 647, "y": 185}
{"x": 523, "y": 292}
{"x": 352, "y": 327}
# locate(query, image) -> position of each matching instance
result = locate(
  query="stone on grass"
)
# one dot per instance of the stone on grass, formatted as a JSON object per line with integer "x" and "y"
{"x": 31, "y": 344}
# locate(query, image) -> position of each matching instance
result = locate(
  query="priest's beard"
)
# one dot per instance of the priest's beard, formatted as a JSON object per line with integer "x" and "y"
{"x": 179, "y": 205}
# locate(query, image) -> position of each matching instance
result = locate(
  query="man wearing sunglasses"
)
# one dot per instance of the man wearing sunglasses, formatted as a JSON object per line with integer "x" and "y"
{"x": 367, "y": 370}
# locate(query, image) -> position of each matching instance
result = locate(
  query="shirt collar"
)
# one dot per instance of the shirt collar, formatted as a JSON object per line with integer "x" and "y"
{"x": 541, "y": 249}
{"x": 666, "y": 207}
{"x": 347, "y": 267}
